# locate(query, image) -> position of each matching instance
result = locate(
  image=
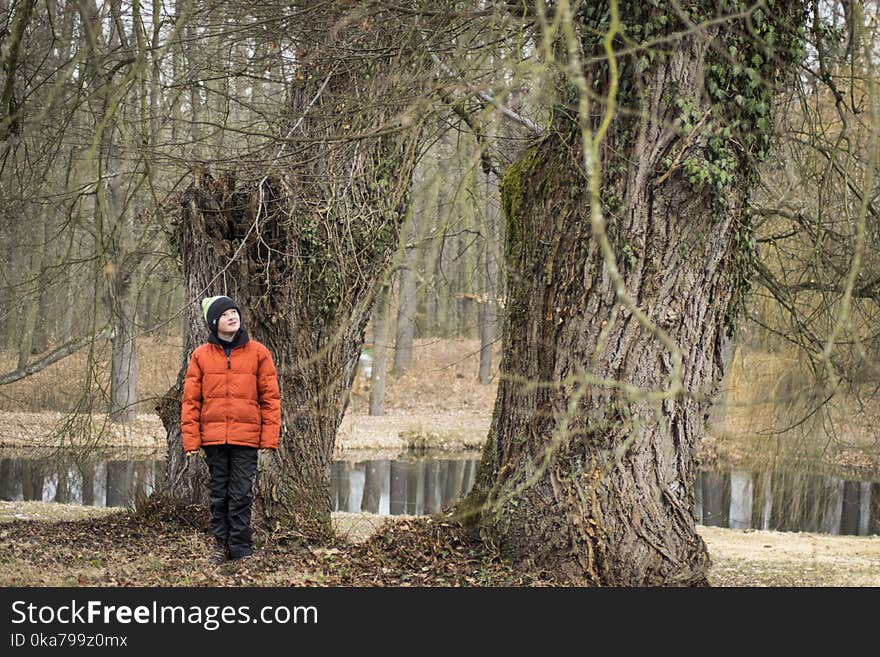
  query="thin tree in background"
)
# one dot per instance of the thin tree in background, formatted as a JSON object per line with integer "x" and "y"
{"x": 489, "y": 307}
{"x": 378, "y": 374}
{"x": 406, "y": 307}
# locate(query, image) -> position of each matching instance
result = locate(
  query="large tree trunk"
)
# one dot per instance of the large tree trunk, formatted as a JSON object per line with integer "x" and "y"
{"x": 586, "y": 481}
{"x": 304, "y": 250}
{"x": 588, "y": 471}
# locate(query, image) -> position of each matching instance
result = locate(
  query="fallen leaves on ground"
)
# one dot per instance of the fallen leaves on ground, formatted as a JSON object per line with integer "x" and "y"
{"x": 127, "y": 549}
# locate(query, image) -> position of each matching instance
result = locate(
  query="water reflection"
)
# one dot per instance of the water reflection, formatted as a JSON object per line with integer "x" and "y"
{"x": 400, "y": 487}
{"x": 787, "y": 501}
{"x": 67, "y": 480}
{"x": 741, "y": 499}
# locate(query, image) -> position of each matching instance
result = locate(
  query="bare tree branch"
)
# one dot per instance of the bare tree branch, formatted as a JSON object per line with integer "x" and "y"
{"x": 53, "y": 357}
{"x": 491, "y": 100}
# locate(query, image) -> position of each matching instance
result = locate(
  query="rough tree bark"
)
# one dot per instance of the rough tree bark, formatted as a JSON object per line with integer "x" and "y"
{"x": 304, "y": 248}
{"x": 588, "y": 471}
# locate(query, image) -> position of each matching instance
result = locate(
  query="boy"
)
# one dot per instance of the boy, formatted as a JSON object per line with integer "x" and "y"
{"x": 231, "y": 409}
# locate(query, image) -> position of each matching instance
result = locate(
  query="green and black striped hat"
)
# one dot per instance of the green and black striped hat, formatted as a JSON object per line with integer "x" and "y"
{"x": 213, "y": 307}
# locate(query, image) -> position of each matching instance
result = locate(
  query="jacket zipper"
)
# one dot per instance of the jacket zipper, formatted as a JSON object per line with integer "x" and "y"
{"x": 228, "y": 367}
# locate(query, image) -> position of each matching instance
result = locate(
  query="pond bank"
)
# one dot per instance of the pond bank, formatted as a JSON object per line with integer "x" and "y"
{"x": 403, "y": 431}
{"x": 383, "y": 436}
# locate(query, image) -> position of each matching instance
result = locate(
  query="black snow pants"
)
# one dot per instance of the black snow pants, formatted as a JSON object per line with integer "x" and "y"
{"x": 232, "y": 469}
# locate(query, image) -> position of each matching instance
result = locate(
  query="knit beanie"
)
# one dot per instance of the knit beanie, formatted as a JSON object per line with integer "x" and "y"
{"x": 213, "y": 307}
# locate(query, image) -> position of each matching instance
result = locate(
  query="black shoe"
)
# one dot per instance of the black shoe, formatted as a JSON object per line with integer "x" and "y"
{"x": 219, "y": 554}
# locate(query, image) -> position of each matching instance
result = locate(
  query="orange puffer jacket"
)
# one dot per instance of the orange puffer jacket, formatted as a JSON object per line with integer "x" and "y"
{"x": 231, "y": 400}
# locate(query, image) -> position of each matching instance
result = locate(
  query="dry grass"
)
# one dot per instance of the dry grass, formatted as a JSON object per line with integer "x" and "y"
{"x": 774, "y": 416}
{"x": 770, "y": 558}
{"x": 438, "y": 403}
{"x": 442, "y": 378}
{"x": 82, "y": 379}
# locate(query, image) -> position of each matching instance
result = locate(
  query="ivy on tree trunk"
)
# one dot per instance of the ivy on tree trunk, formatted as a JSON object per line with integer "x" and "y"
{"x": 588, "y": 470}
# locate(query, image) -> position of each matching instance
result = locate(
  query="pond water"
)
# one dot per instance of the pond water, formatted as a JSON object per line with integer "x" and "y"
{"x": 740, "y": 499}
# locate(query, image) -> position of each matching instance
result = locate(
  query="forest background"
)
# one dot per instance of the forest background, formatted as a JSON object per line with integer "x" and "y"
{"x": 113, "y": 112}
